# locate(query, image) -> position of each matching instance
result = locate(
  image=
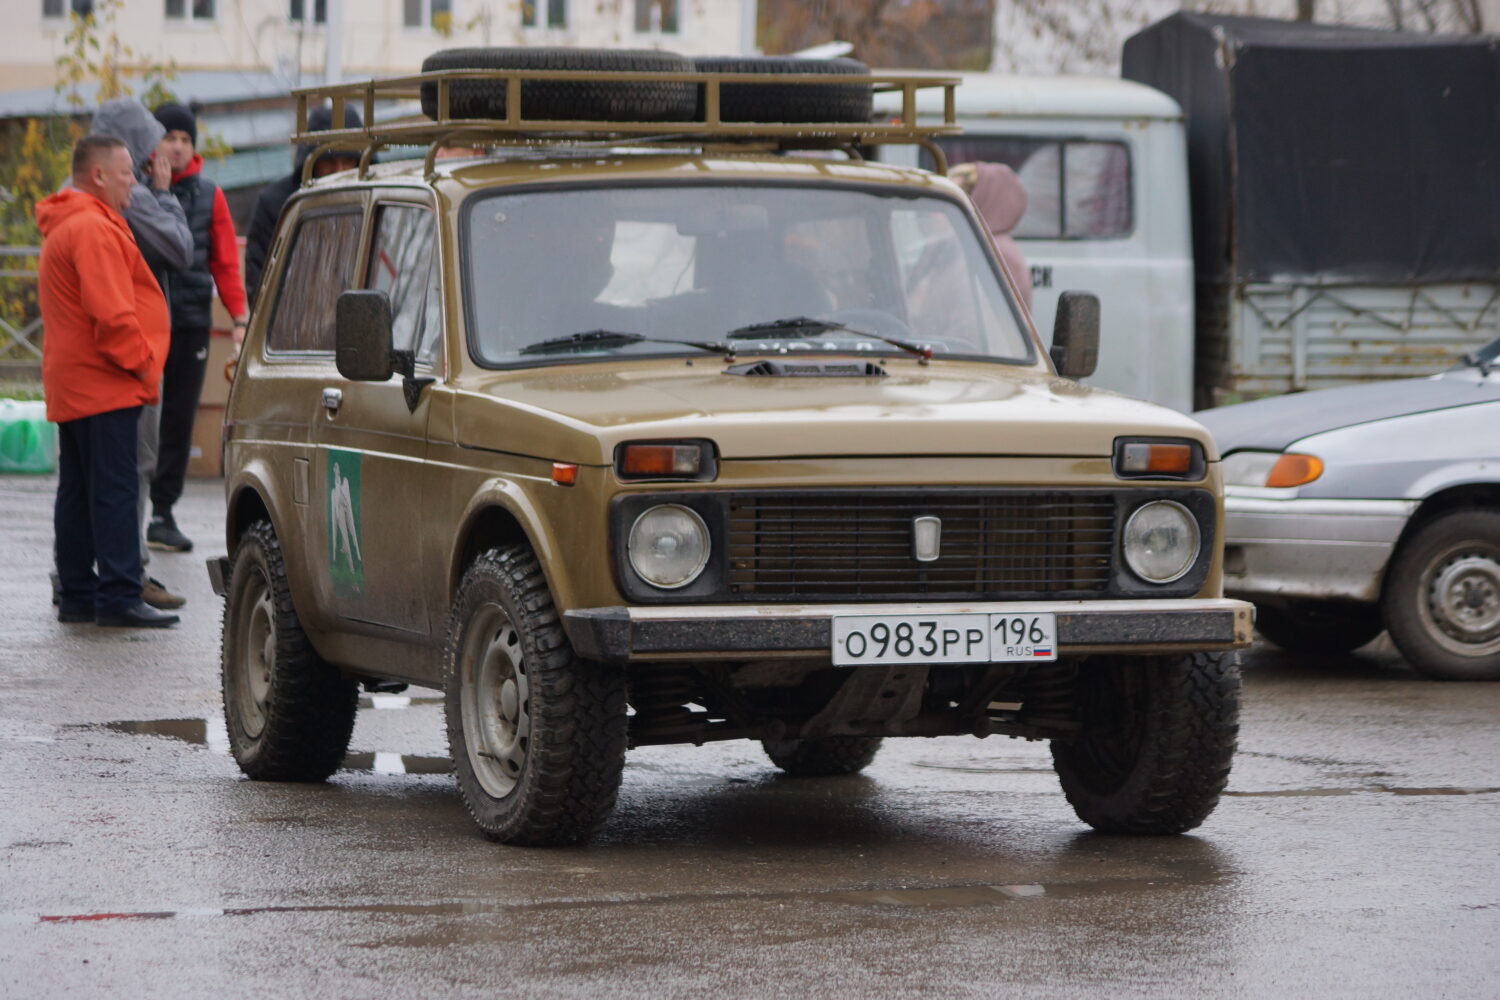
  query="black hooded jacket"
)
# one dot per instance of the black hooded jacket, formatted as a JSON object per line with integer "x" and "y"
{"x": 274, "y": 195}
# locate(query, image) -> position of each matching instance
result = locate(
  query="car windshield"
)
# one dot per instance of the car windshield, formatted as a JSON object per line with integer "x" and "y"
{"x": 658, "y": 265}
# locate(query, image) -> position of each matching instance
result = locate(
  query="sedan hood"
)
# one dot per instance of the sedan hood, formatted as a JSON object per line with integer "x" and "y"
{"x": 580, "y": 413}
{"x": 1273, "y": 424}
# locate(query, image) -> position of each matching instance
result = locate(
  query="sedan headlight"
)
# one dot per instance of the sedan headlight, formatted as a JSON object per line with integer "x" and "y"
{"x": 1161, "y": 541}
{"x": 668, "y": 546}
{"x": 1271, "y": 468}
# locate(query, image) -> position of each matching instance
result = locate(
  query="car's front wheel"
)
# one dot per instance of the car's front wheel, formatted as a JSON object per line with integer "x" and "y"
{"x": 1156, "y": 738}
{"x": 289, "y": 712}
{"x": 1315, "y": 628}
{"x": 1442, "y": 597}
{"x": 537, "y": 733}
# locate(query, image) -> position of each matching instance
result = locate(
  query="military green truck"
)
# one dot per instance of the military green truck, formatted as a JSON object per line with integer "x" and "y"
{"x": 641, "y": 409}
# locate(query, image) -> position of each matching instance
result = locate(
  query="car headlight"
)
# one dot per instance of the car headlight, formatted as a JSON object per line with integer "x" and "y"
{"x": 668, "y": 546}
{"x": 1161, "y": 541}
{"x": 1271, "y": 468}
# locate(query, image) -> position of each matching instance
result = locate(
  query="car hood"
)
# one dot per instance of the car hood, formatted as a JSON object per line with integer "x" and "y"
{"x": 1273, "y": 424}
{"x": 580, "y": 413}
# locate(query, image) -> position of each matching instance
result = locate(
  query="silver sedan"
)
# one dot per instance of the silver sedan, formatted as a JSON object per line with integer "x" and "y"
{"x": 1372, "y": 507}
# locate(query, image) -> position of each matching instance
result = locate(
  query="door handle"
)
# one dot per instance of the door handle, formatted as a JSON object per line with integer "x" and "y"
{"x": 333, "y": 399}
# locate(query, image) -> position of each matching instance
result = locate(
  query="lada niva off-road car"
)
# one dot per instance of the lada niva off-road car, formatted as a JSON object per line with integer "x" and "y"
{"x": 644, "y": 410}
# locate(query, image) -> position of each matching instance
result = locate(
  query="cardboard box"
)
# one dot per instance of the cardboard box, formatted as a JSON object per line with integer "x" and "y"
{"x": 206, "y": 456}
{"x": 215, "y": 386}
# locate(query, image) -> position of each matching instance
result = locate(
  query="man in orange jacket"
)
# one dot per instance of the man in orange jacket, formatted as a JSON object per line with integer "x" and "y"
{"x": 105, "y": 337}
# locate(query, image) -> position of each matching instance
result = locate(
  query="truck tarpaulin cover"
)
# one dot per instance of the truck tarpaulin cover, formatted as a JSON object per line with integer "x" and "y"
{"x": 1330, "y": 153}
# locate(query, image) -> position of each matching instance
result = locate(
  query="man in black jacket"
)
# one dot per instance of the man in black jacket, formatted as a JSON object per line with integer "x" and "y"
{"x": 274, "y": 195}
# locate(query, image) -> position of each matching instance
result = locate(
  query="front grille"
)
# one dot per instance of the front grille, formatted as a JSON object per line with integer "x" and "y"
{"x": 995, "y": 546}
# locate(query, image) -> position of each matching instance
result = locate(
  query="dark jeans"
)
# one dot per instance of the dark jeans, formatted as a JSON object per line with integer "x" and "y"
{"x": 181, "y": 385}
{"x": 95, "y": 515}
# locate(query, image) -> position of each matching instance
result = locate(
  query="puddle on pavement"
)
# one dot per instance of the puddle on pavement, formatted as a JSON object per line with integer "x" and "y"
{"x": 212, "y": 734}
{"x": 1362, "y": 790}
{"x": 943, "y": 897}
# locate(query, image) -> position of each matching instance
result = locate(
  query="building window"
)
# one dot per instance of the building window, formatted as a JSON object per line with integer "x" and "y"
{"x": 656, "y": 17}
{"x": 556, "y": 13}
{"x": 59, "y": 9}
{"x": 190, "y": 10}
{"x": 308, "y": 11}
{"x": 434, "y": 14}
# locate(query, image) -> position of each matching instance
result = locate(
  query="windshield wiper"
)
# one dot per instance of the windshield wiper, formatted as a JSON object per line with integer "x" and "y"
{"x": 1476, "y": 360}
{"x": 590, "y": 340}
{"x": 808, "y": 326}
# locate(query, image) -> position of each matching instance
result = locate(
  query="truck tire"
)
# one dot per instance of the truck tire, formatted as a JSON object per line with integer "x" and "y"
{"x": 1442, "y": 597}
{"x": 1315, "y": 628}
{"x": 649, "y": 101}
{"x": 790, "y": 102}
{"x": 1156, "y": 741}
{"x": 536, "y": 733}
{"x": 289, "y": 712}
{"x": 823, "y": 756}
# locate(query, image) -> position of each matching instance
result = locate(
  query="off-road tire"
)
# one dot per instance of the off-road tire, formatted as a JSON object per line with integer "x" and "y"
{"x": 823, "y": 756}
{"x": 1315, "y": 628}
{"x": 1446, "y": 562}
{"x": 296, "y": 727}
{"x": 649, "y": 101}
{"x": 1156, "y": 741}
{"x": 789, "y": 102}
{"x": 552, "y": 776}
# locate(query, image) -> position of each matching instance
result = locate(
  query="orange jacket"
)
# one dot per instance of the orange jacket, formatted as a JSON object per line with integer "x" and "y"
{"x": 104, "y": 319}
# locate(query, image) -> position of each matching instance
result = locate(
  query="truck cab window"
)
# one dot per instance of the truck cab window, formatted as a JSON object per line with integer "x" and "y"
{"x": 320, "y": 266}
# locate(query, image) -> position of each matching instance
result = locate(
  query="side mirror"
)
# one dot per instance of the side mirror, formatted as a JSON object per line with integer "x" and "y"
{"x": 362, "y": 336}
{"x": 1075, "y": 335}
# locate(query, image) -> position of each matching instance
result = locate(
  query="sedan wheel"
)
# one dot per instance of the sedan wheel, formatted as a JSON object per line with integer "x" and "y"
{"x": 1442, "y": 597}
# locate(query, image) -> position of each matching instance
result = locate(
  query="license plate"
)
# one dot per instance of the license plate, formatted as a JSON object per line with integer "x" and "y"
{"x": 962, "y": 638}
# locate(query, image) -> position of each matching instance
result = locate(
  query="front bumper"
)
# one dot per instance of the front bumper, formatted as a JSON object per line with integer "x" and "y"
{"x": 1308, "y": 549}
{"x": 775, "y": 631}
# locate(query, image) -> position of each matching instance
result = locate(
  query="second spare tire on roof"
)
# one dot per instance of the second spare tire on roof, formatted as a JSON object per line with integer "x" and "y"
{"x": 788, "y": 102}
{"x": 561, "y": 100}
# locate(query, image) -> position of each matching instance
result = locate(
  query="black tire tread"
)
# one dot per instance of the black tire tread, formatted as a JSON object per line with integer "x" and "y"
{"x": 576, "y": 756}
{"x": 651, "y": 101}
{"x": 823, "y": 756}
{"x": 792, "y": 102}
{"x": 311, "y": 706}
{"x": 1399, "y": 601}
{"x": 1184, "y": 761}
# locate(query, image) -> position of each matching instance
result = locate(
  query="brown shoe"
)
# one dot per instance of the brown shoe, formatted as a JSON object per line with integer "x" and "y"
{"x": 154, "y": 594}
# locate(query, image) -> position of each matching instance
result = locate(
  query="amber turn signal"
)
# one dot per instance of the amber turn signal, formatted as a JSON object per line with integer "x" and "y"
{"x": 564, "y": 473}
{"x": 1293, "y": 469}
{"x": 661, "y": 460}
{"x": 1158, "y": 459}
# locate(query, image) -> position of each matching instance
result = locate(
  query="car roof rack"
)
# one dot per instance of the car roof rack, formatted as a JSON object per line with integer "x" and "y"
{"x": 705, "y": 130}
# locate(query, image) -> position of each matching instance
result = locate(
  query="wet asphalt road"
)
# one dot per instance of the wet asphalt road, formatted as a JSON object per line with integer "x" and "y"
{"x": 1356, "y": 855}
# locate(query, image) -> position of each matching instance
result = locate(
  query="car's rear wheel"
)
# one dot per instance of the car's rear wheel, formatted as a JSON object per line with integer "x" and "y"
{"x": 1315, "y": 628}
{"x": 289, "y": 712}
{"x": 1442, "y": 597}
{"x": 1156, "y": 740}
{"x": 536, "y": 733}
{"x": 823, "y": 756}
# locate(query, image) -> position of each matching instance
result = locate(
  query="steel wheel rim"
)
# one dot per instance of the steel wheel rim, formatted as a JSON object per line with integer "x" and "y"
{"x": 1461, "y": 599}
{"x": 257, "y": 659}
{"x": 495, "y": 694}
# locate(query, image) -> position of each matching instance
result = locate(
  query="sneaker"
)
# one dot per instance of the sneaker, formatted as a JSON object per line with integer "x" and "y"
{"x": 158, "y": 596}
{"x": 162, "y": 534}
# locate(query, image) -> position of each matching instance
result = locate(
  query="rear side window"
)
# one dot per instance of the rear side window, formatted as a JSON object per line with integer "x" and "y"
{"x": 403, "y": 264}
{"x": 319, "y": 267}
{"x": 1077, "y": 189}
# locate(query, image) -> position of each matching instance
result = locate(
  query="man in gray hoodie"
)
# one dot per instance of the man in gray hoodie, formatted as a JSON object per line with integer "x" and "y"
{"x": 161, "y": 230}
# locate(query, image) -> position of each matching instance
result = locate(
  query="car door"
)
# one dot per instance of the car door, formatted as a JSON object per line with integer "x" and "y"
{"x": 312, "y": 262}
{"x": 372, "y": 445}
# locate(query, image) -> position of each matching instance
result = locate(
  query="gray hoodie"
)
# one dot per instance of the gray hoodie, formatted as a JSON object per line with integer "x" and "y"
{"x": 155, "y": 217}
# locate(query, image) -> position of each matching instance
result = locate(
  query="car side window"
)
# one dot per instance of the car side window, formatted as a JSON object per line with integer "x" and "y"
{"x": 403, "y": 264}
{"x": 319, "y": 267}
{"x": 1076, "y": 189}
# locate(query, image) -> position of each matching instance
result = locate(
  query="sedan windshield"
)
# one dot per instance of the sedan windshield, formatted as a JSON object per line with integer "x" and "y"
{"x": 705, "y": 266}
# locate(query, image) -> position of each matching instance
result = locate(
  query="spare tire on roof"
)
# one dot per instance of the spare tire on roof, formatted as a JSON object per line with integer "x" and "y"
{"x": 790, "y": 102}
{"x": 561, "y": 100}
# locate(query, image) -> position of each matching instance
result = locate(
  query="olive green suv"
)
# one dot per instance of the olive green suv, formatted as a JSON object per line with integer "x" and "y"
{"x": 638, "y": 408}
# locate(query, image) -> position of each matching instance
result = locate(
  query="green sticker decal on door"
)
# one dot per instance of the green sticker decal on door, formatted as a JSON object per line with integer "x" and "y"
{"x": 346, "y": 564}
